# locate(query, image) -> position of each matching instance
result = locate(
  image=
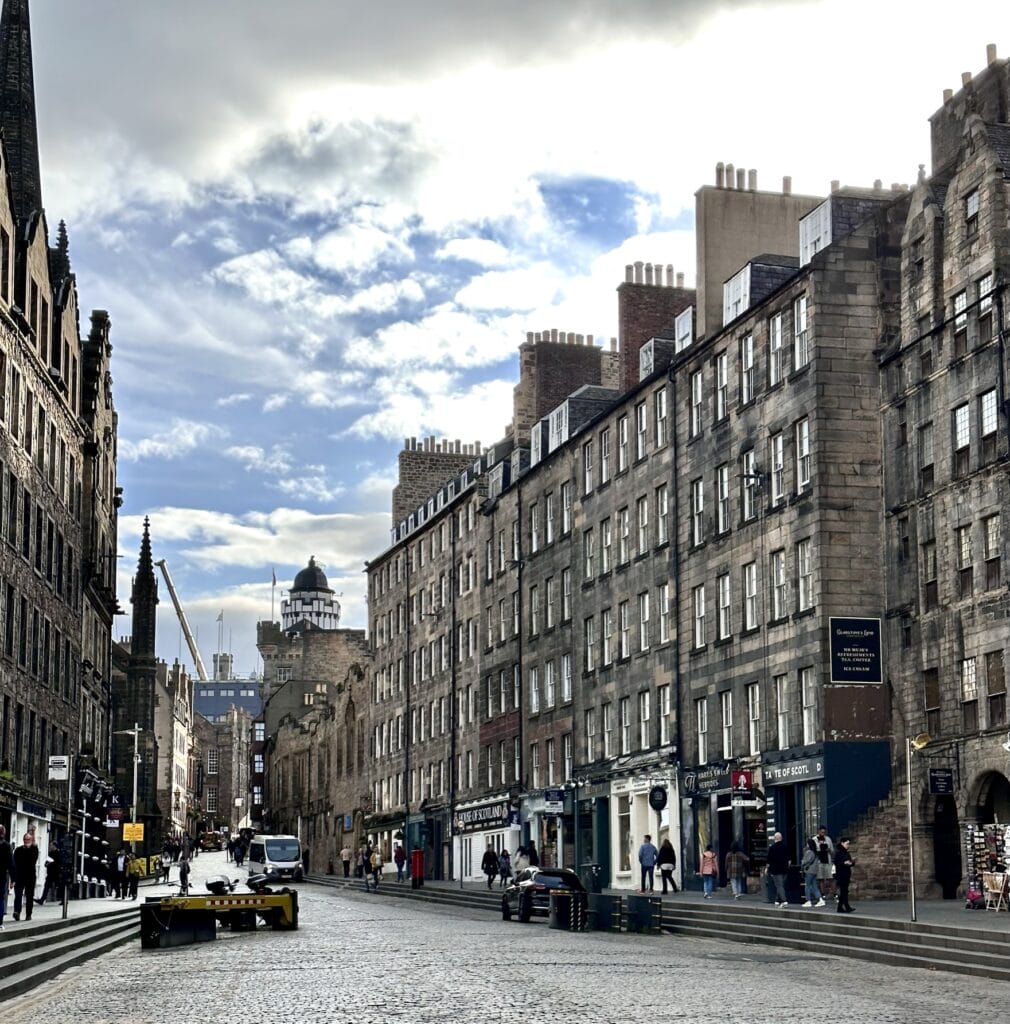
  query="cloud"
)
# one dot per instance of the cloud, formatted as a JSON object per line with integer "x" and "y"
{"x": 236, "y": 399}
{"x": 182, "y": 437}
{"x": 483, "y": 251}
{"x": 277, "y": 460}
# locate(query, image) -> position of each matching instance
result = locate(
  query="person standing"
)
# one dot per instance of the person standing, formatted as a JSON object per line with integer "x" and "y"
{"x": 399, "y": 859}
{"x": 6, "y": 872}
{"x": 489, "y": 865}
{"x": 825, "y": 849}
{"x": 184, "y": 876}
{"x": 708, "y": 868}
{"x": 375, "y": 860}
{"x": 667, "y": 861}
{"x": 119, "y": 874}
{"x": 843, "y": 874}
{"x": 52, "y": 879}
{"x": 521, "y": 861}
{"x": 133, "y": 872}
{"x": 26, "y": 860}
{"x": 345, "y": 859}
{"x": 647, "y": 857}
{"x": 532, "y": 855}
{"x": 778, "y": 868}
{"x": 504, "y": 868}
{"x": 737, "y": 863}
{"x": 810, "y": 866}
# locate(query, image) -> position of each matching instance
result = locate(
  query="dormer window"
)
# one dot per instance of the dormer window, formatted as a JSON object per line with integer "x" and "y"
{"x": 736, "y": 295}
{"x": 815, "y": 232}
{"x": 684, "y": 328}
{"x": 971, "y": 213}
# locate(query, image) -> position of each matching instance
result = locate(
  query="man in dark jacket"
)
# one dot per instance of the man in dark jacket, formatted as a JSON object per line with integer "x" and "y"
{"x": 778, "y": 868}
{"x": 26, "y": 859}
{"x": 843, "y": 874}
{"x": 6, "y": 869}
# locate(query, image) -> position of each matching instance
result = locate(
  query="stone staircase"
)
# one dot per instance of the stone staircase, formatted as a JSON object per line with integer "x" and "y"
{"x": 880, "y": 848}
{"x": 32, "y": 953}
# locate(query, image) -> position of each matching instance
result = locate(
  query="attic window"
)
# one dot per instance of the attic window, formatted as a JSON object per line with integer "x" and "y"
{"x": 971, "y": 213}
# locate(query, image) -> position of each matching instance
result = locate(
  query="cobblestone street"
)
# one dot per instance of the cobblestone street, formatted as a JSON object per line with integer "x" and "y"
{"x": 364, "y": 958}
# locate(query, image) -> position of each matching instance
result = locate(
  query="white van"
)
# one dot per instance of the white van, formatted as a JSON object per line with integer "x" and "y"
{"x": 280, "y": 854}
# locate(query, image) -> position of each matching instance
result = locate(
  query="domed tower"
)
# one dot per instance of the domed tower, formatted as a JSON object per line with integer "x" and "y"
{"x": 310, "y": 600}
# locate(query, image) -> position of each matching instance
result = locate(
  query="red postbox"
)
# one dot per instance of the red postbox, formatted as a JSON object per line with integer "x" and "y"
{"x": 416, "y": 868}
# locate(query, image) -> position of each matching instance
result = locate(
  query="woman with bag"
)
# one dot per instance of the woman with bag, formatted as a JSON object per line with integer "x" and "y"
{"x": 667, "y": 862}
{"x": 708, "y": 868}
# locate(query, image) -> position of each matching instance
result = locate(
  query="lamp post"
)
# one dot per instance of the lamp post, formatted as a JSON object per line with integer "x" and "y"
{"x": 912, "y": 744}
{"x": 135, "y": 733}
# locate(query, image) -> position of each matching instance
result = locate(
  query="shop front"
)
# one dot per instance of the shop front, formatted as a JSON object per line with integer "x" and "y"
{"x": 476, "y": 826}
{"x": 642, "y": 805}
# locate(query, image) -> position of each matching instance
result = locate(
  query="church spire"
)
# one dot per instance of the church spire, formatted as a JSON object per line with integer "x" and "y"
{"x": 17, "y": 108}
{"x": 144, "y": 600}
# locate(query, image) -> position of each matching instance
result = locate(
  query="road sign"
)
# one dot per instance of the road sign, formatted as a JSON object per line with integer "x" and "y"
{"x": 755, "y": 803}
{"x": 133, "y": 832}
{"x": 59, "y": 767}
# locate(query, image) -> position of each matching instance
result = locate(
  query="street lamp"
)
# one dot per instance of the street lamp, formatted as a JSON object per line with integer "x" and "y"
{"x": 135, "y": 733}
{"x": 912, "y": 744}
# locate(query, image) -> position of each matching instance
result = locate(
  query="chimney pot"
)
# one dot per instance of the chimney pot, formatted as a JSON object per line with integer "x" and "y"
{"x": 720, "y": 174}
{"x": 579, "y": 339}
{"x": 990, "y": 54}
{"x": 570, "y": 338}
{"x": 613, "y": 344}
{"x": 835, "y": 184}
{"x": 948, "y": 95}
{"x": 877, "y": 184}
{"x": 787, "y": 185}
{"x": 680, "y": 280}
{"x": 629, "y": 273}
{"x": 922, "y": 173}
{"x": 590, "y": 340}
{"x": 638, "y": 271}
{"x": 965, "y": 77}
{"x": 648, "y": 273}
{"x": 729, "y": 176}
{"x": 669, "y": 275}
{"x": 554, "y": 334}
{"x": 741, "y": 178}
{"x": 529, "y": 337}
{"x": 458, "y": 443}
{"x": 752, "y": 180}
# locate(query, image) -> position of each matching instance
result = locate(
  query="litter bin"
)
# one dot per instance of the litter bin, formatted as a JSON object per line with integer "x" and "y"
{"x": 416, "y": 869}
{"x": 592, "y": 877}
{"x": 567, "y": 911}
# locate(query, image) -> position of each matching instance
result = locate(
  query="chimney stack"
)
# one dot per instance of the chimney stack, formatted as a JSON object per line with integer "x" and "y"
{"x": 877, "y": 185}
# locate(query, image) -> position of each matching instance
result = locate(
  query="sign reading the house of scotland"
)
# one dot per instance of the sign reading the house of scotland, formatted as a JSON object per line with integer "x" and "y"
{"x": 855, "y": 651}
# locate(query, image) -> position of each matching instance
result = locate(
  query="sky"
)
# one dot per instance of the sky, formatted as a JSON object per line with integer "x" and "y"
{"x": 322, "y": 227}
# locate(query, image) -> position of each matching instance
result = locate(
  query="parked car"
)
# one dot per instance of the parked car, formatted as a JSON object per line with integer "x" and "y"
{"x": 529, "y": 893}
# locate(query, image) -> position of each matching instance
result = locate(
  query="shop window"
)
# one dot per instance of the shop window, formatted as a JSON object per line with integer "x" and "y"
{"x": 624, "y": 836}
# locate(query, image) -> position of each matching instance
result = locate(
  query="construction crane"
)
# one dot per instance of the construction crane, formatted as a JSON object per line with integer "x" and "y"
{"x": 186, "y": 631}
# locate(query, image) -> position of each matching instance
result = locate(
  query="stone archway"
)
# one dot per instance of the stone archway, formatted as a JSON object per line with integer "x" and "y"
{"x": 989, "y": 799}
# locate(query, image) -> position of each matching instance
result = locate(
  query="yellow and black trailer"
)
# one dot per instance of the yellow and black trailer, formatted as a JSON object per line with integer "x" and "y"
{"x": 179, "y": 920}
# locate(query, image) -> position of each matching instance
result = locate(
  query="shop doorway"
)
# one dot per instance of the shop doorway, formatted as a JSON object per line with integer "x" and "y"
{"x": 946, "y": 846}
{"x": 724, "y": 817}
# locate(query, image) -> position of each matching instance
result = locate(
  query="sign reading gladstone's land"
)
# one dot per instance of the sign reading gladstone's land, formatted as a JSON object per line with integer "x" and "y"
{"x": 855, "y": 651}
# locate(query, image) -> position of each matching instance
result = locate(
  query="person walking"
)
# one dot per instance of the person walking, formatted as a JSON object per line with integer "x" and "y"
{"x": 504, "y": 868}
{"x": 825, "y": 849}
{"x": 778, "y": 868}
{"x": 240, "y": 850}
{"x": 489, "y": 865}
{"x": 810, "y": 866}
{"x": 184, "y": 876}
{"x": 521, "y": 861}
{"x": 119, "y": 866}
{"x": 708, "y": 868}
{"x": 134, "y": 872}
{"x": 26, "y": 860}
{"x": 737, "y": 863}
{"x": 647, "y": 857}
{"x": 52, "y": 879}
{"x": 399, "y": 859}
{"x": 375, "y": 860}
{"x": 6, "y": 872}
{"x": 843, "y": 874}
{"x": 345, "y": 859}
{"x": 667, "y": 861}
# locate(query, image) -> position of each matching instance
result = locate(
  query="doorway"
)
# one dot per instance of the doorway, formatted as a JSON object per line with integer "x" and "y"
{"x": 946, "y": 846}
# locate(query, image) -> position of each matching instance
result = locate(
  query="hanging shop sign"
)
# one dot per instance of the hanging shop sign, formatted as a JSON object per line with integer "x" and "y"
{"x": 855, "y": 651}
{"x": 554, "y": 801}
{"x": 941, "y": 781}
{"x": 658, "y": 798}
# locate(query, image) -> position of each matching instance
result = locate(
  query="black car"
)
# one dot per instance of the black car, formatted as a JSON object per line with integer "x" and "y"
{"x": 529, "y": 892}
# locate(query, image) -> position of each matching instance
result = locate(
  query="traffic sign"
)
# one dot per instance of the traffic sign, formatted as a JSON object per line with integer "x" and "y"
{"x": 59, "y": 767}
{"x": 755, "y": 803}
{"x": 133, "y": 832}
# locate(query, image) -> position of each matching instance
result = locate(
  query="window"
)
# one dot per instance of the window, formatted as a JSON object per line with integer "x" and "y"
{"x": 969, "y": 696}
{"x": 721, "y": 386}
{"x": 726, "y": 707}
{"x": 801, "y": 336}
{"x": 589, "y": 731}
{"x": 566, "y": 507}
{"x": 971, "y": 213}
{"x": 644, "y": 740}
{"x": 984, "y": 292}
{"x": 697, "y": 512}
{"x": 698, "y": 603}
{"x": 931, "y": 700}
{"x": 683, "y": 328}
{"x": 926, "y": 455}
{"x": 534, "y": 686}
{"x": 605, "y": 455}
{"x": 607, "y": 636}
{"x": 589, "y": 635}
{"x": 753, "y": 718}
{"x": 960, "y": 303}
{"x": 608, "y": 729}
{"x": 775, "y": 350}
{"x": 663, "y": 710}
{"x": 587, "y": 467}
{"x": 701, "y": 720}
{"x": 566, "y": 678}
{"x": 929, "y": 586}
{"x": 782, "y": 710}
{"x": 992, "y": 547}
{"x": 535, "y": 765}
{"x": 211, "y": 799}
{"x": 750, "y": 596}
{"x": 534, "y": 610}
{"x": 548, "y": 518}
{"x": 549, "y": 684}
{"x": 808, "y": 691}
{"x": 778, "y": 583}
{"x": 995, "y": 680}
{"x": 622, "y": 444}
{"x": 962, "y": 439}
{"x": 778, "y": 460}
{"x": 722, "y": 498}
{"x": 623, "y": 535}
{"x": 550, "y": 587}
{"x": 213, "y": 760}
{"x": 697, "y": 397}
{"x": 623, "y": 630}
{"x": 664, "y": 613}
{"x": 566, "y": 753}
{"x": 804, "y": 576}
{"x": 641, "y": 429}
{"x": 965, "y": 568}
{"x": 662, "y": 422}
{"x": 747, "y": 369}
{"x": 566, "y": 594}
{"x": 987, "y": 423}
{"x": 644, "y": 637}
{"x": 642, "y": 510}
{"x": 748, "y": 485}
{"x": 662, "y": 502}
{"x": 588, "y": 554}
{"x": 535, "y": 527}
{"x": 724, "y": 626}
{"x": 802, "y": 454}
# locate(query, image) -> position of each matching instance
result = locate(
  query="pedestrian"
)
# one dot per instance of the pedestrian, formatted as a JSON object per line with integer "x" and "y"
{"x": 489, "y": 865}
{"x": 366, "y": 864}
{"x": 647, "y": 857}
{"x": 825, "y": 862}
{"x": 708, "y": 868}
{"x": 778, "y": 868}
{"x": 166, "y": 868}
{"x": 119, "y": 866}
{"x": 504, "y": 868}
{"x": 375, "y": 859}
{"x": 809, "y": 865}
{"x": 240, "y": 852}
{"x": 26, "y": 859}
{"x": 305, "y": 860}
{"x": 184, "y": 876}
{"x": 843, "y": 874}
{"x": 667, "y": 862}
{"x": 229, "y": 849}
{"x": 6, "y": 872}
{"x": 399, "y": 859}
{"x": 532, "y": 855}
{"x": 133, "y": 872}
{"x": 345, "y": 859}
{"x": 521, "y": 861}
{"x": 359, "y": 864}
{"x": 737, "y": 863}
{"x": 52, "y": 879}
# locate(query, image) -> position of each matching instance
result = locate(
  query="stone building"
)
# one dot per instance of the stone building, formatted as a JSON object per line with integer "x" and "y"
{"x": 221, "y": 754}
{"x": 174, "y": 720}
{"x": 58, "y": 494}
